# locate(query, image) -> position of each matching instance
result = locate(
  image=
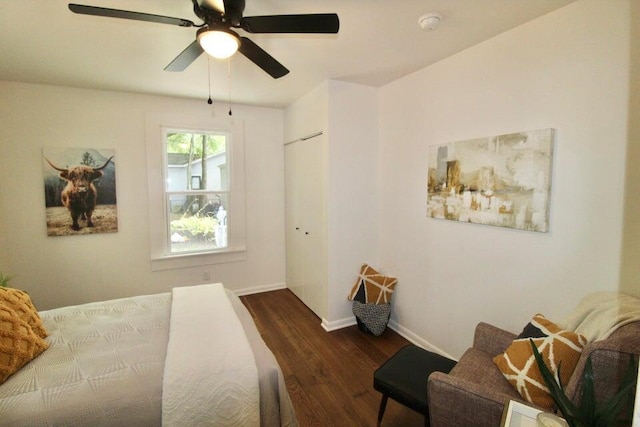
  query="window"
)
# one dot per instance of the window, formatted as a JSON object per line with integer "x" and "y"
{"x": 196, "y": 190}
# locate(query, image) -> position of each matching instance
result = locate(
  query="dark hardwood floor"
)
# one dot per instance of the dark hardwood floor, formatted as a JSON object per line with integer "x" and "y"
{"x": 329, "y": 375}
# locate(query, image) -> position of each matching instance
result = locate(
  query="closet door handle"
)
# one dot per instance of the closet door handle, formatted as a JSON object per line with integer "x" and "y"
{"x": 297, "y": 228}
{"x": 306, "y": 232}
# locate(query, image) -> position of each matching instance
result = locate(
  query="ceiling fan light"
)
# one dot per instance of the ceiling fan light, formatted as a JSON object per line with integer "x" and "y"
{"x": 220, "y": 44}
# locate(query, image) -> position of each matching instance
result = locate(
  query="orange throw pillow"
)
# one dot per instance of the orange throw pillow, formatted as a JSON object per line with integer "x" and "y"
{"x": 519, "y": 367}
{"x": 21, "y": 304}
{"x": 377, "y": 287}
{"x": 19, "y": 344}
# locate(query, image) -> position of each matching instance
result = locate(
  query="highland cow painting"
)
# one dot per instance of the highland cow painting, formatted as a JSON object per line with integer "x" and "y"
{"x": 501, "y": 180}
{"x": 80, "y": 191}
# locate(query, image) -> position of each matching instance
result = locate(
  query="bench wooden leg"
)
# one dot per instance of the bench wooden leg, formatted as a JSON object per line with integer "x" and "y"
{"x": 383, "y": 406}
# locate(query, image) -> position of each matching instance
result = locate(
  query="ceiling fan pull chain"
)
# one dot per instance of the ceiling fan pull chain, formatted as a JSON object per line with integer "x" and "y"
{"x": 209, "y": 101}
{"x": 229, "y": 87}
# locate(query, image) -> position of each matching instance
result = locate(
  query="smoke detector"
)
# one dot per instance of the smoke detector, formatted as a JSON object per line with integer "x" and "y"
{"x": 430, "y": 21}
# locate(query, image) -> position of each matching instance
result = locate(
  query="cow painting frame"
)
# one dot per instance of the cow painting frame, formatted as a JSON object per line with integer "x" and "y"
{"x": 80, "y": 190}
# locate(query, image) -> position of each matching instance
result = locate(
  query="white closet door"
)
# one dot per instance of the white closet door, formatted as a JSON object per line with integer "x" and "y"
{"x": 305, "y": 216}
{"x": 293, "y": 238}
{"x": 313, "y": 212}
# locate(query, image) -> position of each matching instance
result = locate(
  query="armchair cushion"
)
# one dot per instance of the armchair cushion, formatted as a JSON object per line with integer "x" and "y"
{"x": 473, "y": 394}
{"x": 478, "y": 368}
{"x": 519, "y": 367}
{"x": 610, "y": 359}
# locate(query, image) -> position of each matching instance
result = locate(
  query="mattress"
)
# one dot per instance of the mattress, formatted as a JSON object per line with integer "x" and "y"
{"x": 105, "y": 364}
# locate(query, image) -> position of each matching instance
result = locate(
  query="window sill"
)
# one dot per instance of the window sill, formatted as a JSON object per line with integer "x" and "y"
{"x": 171, "y": 262}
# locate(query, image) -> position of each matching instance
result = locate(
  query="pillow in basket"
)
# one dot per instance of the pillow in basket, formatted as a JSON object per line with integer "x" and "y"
{"x": 377, "y": 288}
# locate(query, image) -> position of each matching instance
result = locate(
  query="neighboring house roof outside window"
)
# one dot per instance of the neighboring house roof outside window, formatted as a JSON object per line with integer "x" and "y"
{"x": 182, "y": 159}
{"x": 177, "y": 159}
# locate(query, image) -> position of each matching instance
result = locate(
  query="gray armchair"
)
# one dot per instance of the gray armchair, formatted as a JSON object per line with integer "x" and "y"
{"x": 474, "y": 393}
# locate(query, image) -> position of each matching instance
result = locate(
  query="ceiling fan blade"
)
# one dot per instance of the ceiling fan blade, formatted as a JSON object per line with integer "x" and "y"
{"x": 262, "y": 59}
{"x": 233, "y": 10}
{"x": 125, "y": 14}
{"x": 321, "y": 23}
{"x": 186, "y": 57}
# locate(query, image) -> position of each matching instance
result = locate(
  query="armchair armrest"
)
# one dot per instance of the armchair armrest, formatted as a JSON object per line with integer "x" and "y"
{"x": 491, "y": 339}
{"x": 609, "y": 359}
{"x": 458, "y": 401}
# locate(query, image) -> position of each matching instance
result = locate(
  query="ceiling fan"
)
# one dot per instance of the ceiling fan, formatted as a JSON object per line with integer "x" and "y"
{"x": 216, "y": 37}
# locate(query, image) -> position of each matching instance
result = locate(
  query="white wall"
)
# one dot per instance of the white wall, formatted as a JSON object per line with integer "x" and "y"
{"x": 567, "y": 70}
{"x": 4, "y": 265}
{"x": 352, "y": 187}
{"x": 308, "y": 115}
{"x": 60, "y": 271}
{"x": 630, "y": 280}
{"x": 347, "y": 113}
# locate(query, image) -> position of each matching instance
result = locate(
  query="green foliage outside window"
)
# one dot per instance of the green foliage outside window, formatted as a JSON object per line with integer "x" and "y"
{"x": 182, "y": 142}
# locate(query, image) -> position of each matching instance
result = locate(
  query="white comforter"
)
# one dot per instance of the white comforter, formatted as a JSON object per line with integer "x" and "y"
{"x": 210, "y": 374}
{"x": 105, "y": 366}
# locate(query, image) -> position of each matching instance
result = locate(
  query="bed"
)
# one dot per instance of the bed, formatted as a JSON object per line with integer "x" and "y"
{"x": 113, "y": 363}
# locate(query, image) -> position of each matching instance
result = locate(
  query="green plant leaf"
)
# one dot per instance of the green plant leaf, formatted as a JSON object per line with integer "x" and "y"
{"x": 566, "y": 406}
{"x": 588, "y": 398}
{"x": 590, "y": 413}
{"x": 623, "y": 400}
{"x": 4, "y": 280}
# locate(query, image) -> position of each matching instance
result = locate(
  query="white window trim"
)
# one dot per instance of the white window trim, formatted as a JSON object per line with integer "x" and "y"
{"x": 156, "y": 124}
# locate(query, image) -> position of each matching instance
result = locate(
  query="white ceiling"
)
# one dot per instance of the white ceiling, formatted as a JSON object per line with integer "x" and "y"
{"x": 41, "y": 41}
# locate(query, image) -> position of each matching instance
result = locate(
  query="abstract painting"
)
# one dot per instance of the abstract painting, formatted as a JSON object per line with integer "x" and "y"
{"x": 500, "y": 180}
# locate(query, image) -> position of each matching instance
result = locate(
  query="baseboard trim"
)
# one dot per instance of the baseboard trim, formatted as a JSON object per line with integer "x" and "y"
{"x": 260, "y": 289}
{"x": 406, "y": 333}
{"x": 417, "y": 340}
{"x": 338, "y": 324}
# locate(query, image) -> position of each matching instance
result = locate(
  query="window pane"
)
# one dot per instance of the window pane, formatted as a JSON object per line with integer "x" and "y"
{"x": 198, "y": 222}
{"x": 196, "y": 161}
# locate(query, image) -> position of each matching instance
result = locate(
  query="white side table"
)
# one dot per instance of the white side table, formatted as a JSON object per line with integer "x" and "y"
{"x": 518, "y": 414}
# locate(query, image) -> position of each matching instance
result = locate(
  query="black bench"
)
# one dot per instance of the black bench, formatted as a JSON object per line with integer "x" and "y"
{"x": 404, "y": 378}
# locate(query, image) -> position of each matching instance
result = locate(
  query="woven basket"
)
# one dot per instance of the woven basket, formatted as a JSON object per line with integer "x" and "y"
{"x": 371, "y": 318}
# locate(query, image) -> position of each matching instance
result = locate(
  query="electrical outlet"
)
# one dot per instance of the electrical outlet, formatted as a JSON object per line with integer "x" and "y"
{"x": 206, "y": 276}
